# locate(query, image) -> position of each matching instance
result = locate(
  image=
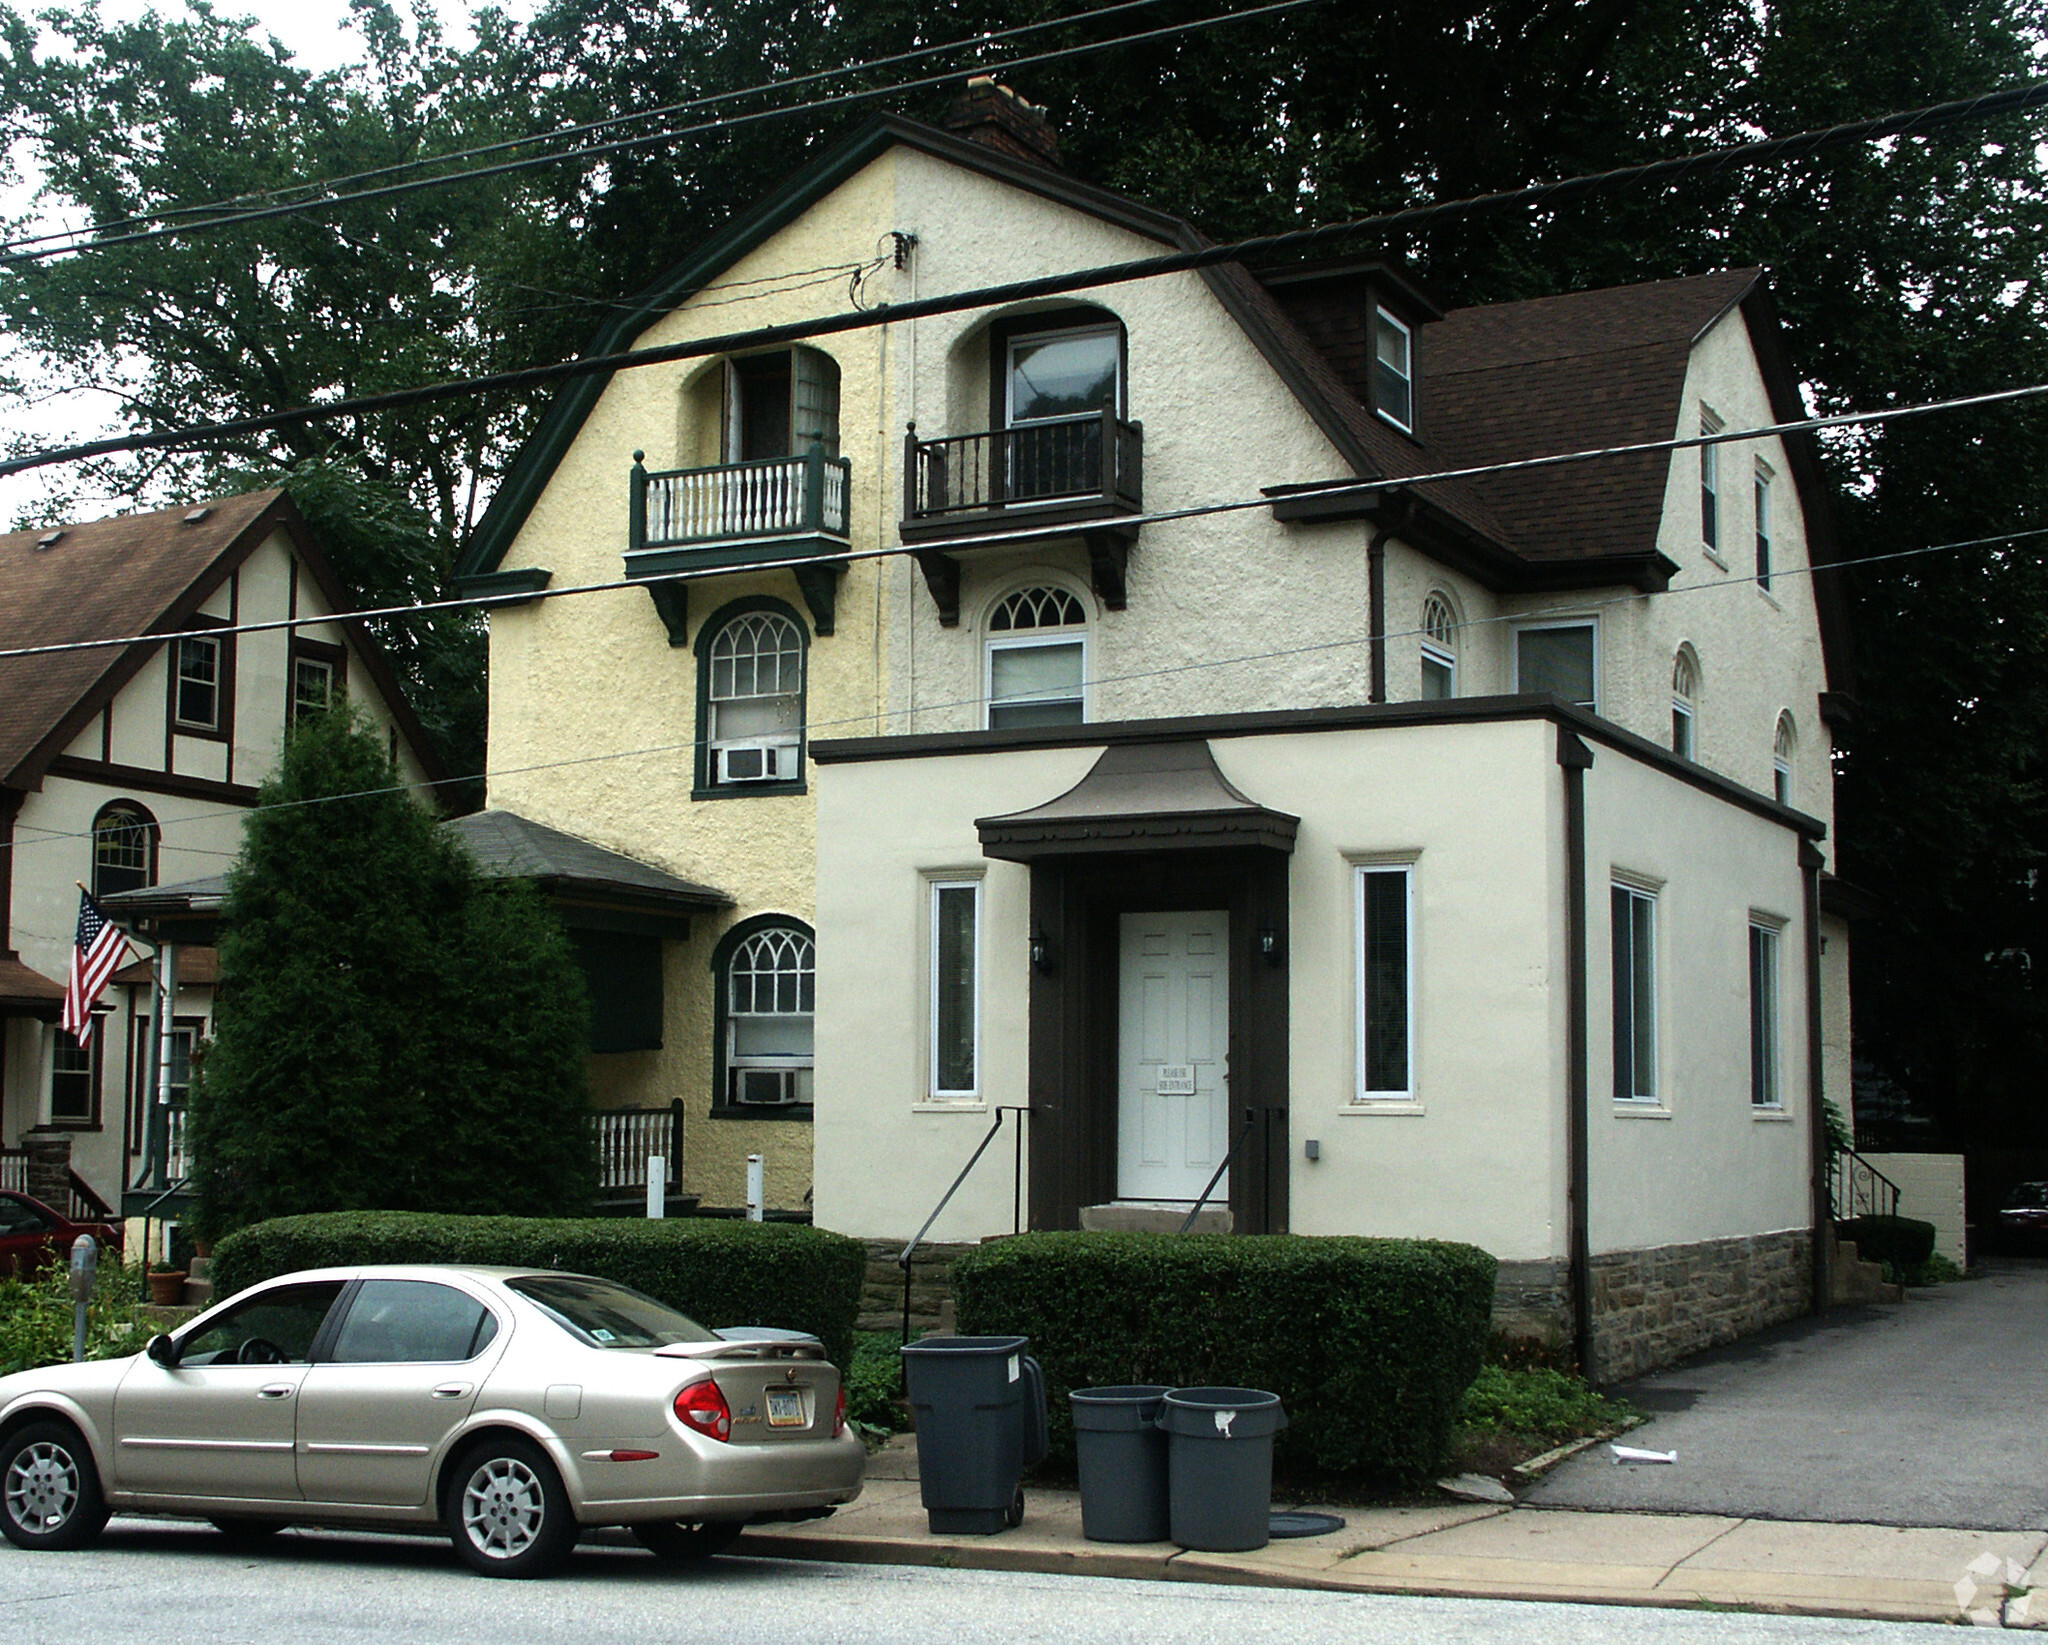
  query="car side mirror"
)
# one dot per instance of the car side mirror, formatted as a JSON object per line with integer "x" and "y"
{"x": 162, "y": 1349}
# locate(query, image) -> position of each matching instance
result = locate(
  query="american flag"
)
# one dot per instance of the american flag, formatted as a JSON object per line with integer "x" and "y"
{"x": 97, "y": 954}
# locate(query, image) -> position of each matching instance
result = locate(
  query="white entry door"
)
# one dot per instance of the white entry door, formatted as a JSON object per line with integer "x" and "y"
{"x": 1173, "y": 1074}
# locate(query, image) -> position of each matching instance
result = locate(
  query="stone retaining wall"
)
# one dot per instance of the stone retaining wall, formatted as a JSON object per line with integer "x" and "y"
{"x": 1652, "y": 1307}
{"x": 931, "y": 1296}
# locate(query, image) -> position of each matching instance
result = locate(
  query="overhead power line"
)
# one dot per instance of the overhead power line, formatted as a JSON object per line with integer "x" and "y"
{"x": 625, "y": 145}
{"x": 1741, "y": 155}
{"x": 986, "y": 38}
{"x": 1349, "y": 486}
{"x": 52, "y": 836}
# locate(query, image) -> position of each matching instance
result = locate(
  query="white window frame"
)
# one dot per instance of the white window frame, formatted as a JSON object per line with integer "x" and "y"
{"x": 1782, "y": 757}
{"x": 1638, "y": 891}
{"x": 1108, "y": 328}
{"x": 1767, "y": 1072}
{"x": 935, "y": 885}
{"x": 1764, "y": 544}
{"x": 1685, "y": 714}
{"x": 1382, "y": 318}
{"x": 1442, "y": 653}
{"x": 1711, "y": 508}
{"x": 785, "y": 1064}
{"x": 1360, "y": 869}
{"x": 1590, "y": 622}
{"x": 214, "y": 684}
{"x": 1023, "y": 639}
{"x": 784, "y": 749}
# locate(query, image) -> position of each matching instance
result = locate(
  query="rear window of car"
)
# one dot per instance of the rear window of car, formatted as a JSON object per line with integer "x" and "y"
{"x": 2029, "y": 1196}
{"x": 601, "y": 1314}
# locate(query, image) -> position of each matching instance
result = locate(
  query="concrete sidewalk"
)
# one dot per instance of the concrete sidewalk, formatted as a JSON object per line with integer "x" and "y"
{"x": 1907, "y": 1574}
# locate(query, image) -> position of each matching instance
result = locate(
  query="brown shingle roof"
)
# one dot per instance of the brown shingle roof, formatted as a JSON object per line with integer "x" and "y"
{"x": 129, "y": 575}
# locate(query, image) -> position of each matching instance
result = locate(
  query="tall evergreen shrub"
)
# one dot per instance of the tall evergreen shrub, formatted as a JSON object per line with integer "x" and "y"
{"x": 394, "y": 1032}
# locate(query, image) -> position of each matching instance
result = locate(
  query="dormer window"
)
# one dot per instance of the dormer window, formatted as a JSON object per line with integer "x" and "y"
{"x": 1393, "y": 378}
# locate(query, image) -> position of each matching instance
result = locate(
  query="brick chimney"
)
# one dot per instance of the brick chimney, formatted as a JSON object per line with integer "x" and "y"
{"x": 996, "y": 117}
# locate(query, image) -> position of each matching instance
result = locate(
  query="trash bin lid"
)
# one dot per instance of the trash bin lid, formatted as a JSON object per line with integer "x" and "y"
{"x": 1120, "y": 1410}
{"x": 967, "y": 1346}
{"x": 1222, "y": 1413}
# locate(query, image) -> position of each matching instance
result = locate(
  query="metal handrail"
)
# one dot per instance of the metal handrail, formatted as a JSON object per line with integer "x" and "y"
{"x": 1251, "y": 1118}
{"x": 973, "y": 1159}
{"x": 1876, "y": 1193}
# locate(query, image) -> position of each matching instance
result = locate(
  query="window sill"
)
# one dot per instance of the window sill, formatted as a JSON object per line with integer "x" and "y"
{"x": 1769, "y": 1114}
{"x": 72, "y": 1125}
{"x": 772, "y": 1116}
{"x": 950, "y": 1105}
{"x": 748, "y": 791}
{"x": 1641, "y": 1111}
{"x": 1359, "y": 1107}
{"x": 1770, "y": 599}
{"x": 1713, "y": 557}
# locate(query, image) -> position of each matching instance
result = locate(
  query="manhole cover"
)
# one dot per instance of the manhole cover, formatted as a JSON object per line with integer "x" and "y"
{"x": 1287, "y": 1525}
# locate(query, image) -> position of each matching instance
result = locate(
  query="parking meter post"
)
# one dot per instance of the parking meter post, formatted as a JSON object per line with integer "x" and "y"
{"x": 85, "y": 1262}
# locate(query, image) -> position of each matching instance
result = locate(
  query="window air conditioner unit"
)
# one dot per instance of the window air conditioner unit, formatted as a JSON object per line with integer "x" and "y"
{"x": 764, "y": 1087}
{"x": 754, "y": 763}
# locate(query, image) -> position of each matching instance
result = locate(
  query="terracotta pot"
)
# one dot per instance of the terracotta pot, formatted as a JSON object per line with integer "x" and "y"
{"x": 202, "y": 1248}
{"x": 166, "y": 1290}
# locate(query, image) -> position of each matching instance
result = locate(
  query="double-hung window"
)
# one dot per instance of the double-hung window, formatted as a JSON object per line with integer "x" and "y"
{"x": 199, "y": 683}
{"x": 75, "y": 1081}
{"x": 1385, "y": 960}
{"x": 1057, "y": 385}
{"x": 1763, "y": 526}
{"x": 1037, "y": 660}
{"x": 1685, "y": 690}
{"x": 1710, "y": 485}
{"x": 1634, "y": 944}
{"x": 754, "y": 702}
{"x": 770, "y": 1001}
{"x": 1561, "y": 658}
{"x": 1393, "y": 373}
{"x": 956, "y": 989}
{"x": 1439, "y": 650}
{"x": 1764, "y": 943}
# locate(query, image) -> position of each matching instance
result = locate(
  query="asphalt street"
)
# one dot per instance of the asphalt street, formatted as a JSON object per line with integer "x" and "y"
{"x": 174, "y": 1584}
{"x": 1926, "y": 1412}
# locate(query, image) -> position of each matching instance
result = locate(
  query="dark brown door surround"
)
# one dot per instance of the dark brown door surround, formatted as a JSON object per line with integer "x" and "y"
{"x": 1154, "y": 827}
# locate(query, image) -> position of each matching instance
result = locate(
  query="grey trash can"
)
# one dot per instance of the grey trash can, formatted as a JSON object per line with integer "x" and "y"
{"x": 1220, "y": 1465}
{"x": 1120, "y": 1451}
{"x": 980, "y": 1405}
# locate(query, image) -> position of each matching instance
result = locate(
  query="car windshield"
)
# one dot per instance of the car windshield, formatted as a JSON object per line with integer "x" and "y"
{"x": 2029, "y": 1196}
{"x": 601, "y": 1314}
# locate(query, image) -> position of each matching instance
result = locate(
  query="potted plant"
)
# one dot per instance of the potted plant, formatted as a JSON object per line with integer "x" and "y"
{"x": 166, "y": 1284}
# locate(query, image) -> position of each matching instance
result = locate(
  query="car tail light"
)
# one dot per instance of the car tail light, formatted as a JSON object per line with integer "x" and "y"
{"x": 839, "y": 1415}
{"x": 703, "y": 1409}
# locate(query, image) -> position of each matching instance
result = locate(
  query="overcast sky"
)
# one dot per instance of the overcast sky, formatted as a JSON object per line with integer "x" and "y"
{"x": 320, "y": 35}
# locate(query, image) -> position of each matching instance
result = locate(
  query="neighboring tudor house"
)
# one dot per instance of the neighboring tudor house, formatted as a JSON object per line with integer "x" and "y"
{"x": 126, "y": 766}
{"x": 1451, "y": 850}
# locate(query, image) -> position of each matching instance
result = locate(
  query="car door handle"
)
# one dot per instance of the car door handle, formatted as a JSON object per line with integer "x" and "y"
{"x": 275, "y": 1390}
{"x": 451, "y": 1390}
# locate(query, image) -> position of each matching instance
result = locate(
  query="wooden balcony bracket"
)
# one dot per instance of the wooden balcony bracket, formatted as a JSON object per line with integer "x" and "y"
{"x": 1108, "y": 555}
{"x": 942, "y": 577}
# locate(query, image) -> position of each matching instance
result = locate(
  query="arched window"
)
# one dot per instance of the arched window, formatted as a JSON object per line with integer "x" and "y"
{"x": 124, "y": 840}
{"x": 1037, "y": 659}
{"x": 1685, "y": 691}
{"x": 1783, "y": 747}
{"x": 751, "y": 661}
{"x": 767, "y": 995}
{"x": 1439, "y": 649}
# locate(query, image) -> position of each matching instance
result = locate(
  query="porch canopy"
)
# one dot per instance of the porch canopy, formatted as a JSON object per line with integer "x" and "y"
{"x": 1141, "y": 796}
{"x": 26, "y": 992}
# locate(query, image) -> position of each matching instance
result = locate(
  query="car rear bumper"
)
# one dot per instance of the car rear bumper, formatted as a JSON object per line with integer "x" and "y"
{"x": 735, "y": 1482}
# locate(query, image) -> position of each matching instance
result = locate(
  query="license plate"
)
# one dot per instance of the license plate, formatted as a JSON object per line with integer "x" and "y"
{"x": 785, "y": 1408}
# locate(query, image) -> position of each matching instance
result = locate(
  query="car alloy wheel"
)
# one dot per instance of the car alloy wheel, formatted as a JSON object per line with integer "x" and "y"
{"x": 507, "y": 1512}
{"x": 49, "y": 1489}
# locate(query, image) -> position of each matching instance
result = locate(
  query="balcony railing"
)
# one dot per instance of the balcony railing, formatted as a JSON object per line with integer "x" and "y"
{"x": 623, "y": 1139}
{"x": 734, "y": 502}
{"x": 1097, "y": 460}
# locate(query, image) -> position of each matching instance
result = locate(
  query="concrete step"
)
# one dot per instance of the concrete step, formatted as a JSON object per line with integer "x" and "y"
{"x": 1853, "y": 1280}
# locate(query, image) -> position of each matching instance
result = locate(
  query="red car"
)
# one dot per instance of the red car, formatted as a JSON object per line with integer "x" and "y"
{"x": 2024, "y": 1218}
{"x": 32, "y": 1234}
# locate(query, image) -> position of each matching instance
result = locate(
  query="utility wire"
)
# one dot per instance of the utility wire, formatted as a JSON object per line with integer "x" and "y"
{"x": 560, "y": 133}
{"x": 625, "y": 145}
{"x": 1760, "y": 152}
{"x": 47, "y": 836}
{"x": 1348, "y": 487}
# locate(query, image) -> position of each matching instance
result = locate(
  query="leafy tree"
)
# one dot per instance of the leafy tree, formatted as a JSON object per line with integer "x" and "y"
{"x": 394, "y": 1032}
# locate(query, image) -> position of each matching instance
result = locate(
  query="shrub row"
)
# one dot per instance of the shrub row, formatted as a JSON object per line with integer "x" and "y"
{"x": 1370, "y": 1343}
{"x": 720, "y": 1273}
{"x": 1904, "y": 1242}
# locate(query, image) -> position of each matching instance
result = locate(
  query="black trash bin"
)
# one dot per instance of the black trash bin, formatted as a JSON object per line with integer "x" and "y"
{"x": 1120, "y": 1451}
{"x": 1220, "y": 1464}
{"x": 980, "y": 1404}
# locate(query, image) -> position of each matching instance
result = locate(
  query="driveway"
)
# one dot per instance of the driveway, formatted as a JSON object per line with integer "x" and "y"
{"x": 1930, "y": 1412}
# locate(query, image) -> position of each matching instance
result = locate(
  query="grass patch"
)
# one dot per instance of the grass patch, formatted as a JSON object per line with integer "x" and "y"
{"x": 1513, "y": 1413}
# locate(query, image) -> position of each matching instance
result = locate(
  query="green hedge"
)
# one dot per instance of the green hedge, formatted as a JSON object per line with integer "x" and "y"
{"x": 1904, "y": 1242}
{"x": 1371, "y": 1343}
{"x": 718, "y": 1272}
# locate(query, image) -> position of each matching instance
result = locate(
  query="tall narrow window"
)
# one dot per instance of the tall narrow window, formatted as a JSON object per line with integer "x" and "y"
{"x": 1393, "y": 377}
{"x": 1763, "y": 1016}
{"x": 75, "y": 1081}
{"x": 124, "y": 840}
{"x": 196, "y": 691}
{"x": 1710, "y": 485}
{"x": 1763, "y": 526}
{"x": 770, "y": 999}
{"x": 317, "y": 678}
{"x": 1783, "y": 747}
{"x": 1685, "y": 690}
{"x": 780, "y": 405}
{"x": 1037, "y": 660}
{"x": 1439, "y": 649}
{"x": 956, "y": 988}
{"x": 1385, "y": 959}
{"x": 1559, "y": 658}
{"x": 1635, "y": 994}
{"x": 753, "y": 674}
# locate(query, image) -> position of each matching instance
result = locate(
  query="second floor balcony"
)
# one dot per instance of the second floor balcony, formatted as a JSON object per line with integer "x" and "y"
{"x": 1069, "y": 470}
{"x": 733, "y": 516}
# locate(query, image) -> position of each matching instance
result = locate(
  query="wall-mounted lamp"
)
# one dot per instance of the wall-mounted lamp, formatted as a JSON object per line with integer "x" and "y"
{"x": 1269, "y": 944}
{"x": 1041, "y": 952}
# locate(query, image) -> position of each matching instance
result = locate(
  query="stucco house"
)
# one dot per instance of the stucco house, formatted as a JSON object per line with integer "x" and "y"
{"x": 1427, "y": 857}
{"x": 125, "y": 766}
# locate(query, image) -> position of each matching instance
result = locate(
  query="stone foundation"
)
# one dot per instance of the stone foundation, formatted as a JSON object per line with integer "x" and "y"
{"x": 931, "y": 1293}
{"x": 1652, "y": 1307}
